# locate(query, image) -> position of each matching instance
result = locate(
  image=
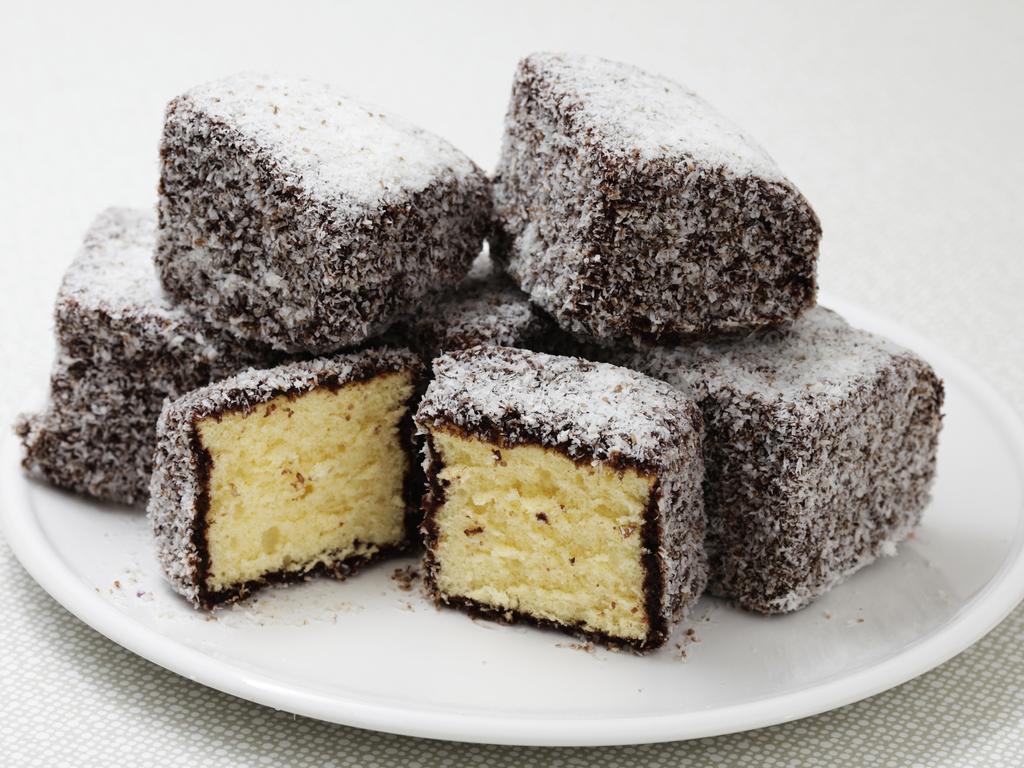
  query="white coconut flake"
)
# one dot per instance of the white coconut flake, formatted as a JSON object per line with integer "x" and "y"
{"x": 821, "y": 451}
{"x": 332, "y": 144}
{"x": 637, "y": 111}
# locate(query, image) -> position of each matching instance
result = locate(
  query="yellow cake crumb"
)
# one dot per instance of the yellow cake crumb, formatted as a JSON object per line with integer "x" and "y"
{"x": 305, "y": 479}
{"x": 528, "y": 529}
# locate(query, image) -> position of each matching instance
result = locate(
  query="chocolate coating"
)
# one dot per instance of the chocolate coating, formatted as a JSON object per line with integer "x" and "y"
{"x": 122, "y": 348}
{"x": 294, "y": 216}
{"x": 820, "y": 450}
{"x": 485, "y": 308}
{"x": 630, "y": 210}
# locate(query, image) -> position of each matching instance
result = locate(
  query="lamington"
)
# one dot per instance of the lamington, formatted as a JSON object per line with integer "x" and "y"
{"x": 820, "y": 451}
{"x": 276, "y": 475}
{"x": 563, "y": 493}
{"x": 122, "y": 348}
{"x": 486, "y": 307}
{"x": 631, "y": 210}
{"x": 298, "y": 217}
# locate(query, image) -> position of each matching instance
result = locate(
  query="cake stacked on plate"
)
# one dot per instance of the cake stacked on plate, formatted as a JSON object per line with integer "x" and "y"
{"x": 632, "y": 397}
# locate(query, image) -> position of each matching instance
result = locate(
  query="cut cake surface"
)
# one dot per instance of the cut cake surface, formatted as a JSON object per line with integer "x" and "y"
{"x": 563, "y": 493}
{"x": 279, "y": 474}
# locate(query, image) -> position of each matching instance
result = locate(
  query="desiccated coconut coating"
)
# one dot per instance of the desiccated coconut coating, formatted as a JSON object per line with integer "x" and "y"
{"x": 179, "y": 486}
{"x": 592, "y": 413}
{"x": 485, "y": 308}
{"x": 628, "y": 208}
{"x": 292, "y": 215}
{"x": 122, "y": 349}
{"x": 820, "y": 451}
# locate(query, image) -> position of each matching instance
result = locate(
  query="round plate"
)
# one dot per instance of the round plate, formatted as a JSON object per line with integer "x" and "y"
{"x": 367, "y": 653}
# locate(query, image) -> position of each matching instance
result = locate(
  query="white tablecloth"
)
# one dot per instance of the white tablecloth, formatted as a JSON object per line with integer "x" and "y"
{"x": 900, "y": 122}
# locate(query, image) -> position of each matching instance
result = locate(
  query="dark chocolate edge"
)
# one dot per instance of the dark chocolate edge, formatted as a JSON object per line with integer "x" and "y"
{"x": 651, "y": 536}
{"x": 414, "y": 487}
{"x": 434, "y": 498}
{"x": 492, "y": 432}
{"x": 338, "y": 569}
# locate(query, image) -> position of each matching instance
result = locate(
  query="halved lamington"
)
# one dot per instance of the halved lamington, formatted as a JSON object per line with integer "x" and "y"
{"x": 122, "y": 348}
{"x": 293, "y": 215}
{"x": 485, "y": 308}
{"x": 629, "y": 208}
{"x": 562, "y": 493}
{"x": 279, "y": 474}
{"x": 820, "y": 450}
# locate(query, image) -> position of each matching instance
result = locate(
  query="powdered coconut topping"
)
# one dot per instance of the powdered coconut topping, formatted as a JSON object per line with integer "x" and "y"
{"x": 818, "y": 356}
{"x": 589, "y": 410}
{"x": 122, "y": 349}
{"x": 111, "y": 297}
{"x": 114, "y": 271}
{"x": 329, "y": 142}
{"x": 290, "y": 216}
{"x": 820, "y": 451}
{"x": 631, "y": 111}
{"x": 630, "y": 211}
{"x": 485, "y": 308}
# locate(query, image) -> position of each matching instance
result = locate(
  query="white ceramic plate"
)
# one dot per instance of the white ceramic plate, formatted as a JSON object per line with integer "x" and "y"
{"x": 366, "y": 653}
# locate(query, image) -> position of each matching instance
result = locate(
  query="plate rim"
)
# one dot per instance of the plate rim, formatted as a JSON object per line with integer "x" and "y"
{"x": 972, "y": 621}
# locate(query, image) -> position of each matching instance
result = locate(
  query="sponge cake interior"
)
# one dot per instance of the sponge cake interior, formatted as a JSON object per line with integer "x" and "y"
{"x": 527, "y": 529}
{"x": 306, "y": 479}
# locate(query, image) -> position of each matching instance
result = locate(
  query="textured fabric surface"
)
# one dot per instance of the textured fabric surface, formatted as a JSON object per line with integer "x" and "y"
{"x": 70, "y": 697}
{"x": 900, "y": 122}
